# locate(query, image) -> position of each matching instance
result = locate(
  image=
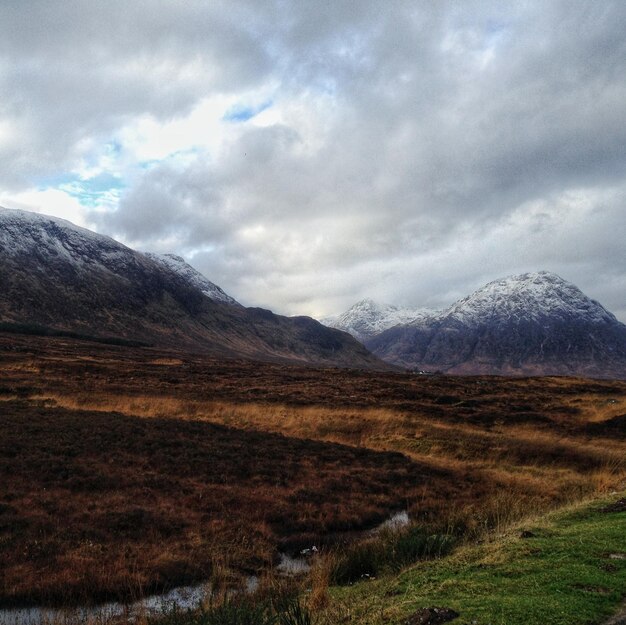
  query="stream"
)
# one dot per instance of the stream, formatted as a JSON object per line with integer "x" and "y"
{"x": 183, "y": 597}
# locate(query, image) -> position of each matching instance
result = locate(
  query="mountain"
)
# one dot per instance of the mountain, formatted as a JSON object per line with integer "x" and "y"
{"x": 192, "y": 277}
{"x": 368, "y": 318}
{"x": 530, "y": 324}
{"x": 57, "y": 276}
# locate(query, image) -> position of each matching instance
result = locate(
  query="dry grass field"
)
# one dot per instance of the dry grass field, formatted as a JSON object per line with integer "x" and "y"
{"x": 124, "y": 470}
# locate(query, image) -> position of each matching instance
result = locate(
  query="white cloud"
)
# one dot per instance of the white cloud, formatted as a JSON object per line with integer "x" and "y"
{"x": 53, "y": 202}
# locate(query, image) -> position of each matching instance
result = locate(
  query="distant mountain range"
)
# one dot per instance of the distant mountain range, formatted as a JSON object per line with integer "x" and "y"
{"x": 530, "y": 324}
{"x": 55, "y": 276}
{"x": 368, "y": 318}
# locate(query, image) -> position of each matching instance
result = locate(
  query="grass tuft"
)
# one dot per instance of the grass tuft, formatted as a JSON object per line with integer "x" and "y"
{"x": 389, "y": 551}
{"x": 240, "y": 610}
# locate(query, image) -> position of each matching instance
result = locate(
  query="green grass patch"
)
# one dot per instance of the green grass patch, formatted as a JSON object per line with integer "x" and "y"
{"x": 560, "y": 575}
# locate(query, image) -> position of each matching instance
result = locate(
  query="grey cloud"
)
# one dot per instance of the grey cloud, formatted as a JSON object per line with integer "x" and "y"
{"x": 71, "y": 71}
{"x": 167, "y": 204}
{"x": 449, "y": 120}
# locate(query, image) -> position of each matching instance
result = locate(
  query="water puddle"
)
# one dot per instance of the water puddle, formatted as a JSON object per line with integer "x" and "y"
{"x": 395, "y": 522}
{"x": 185, "y": 597}
{"x": 290, "y": 566}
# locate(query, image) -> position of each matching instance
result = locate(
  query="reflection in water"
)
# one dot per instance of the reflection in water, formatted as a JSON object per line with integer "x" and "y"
{"x": 185, "y": 597}
{"x": 394, "y": 522}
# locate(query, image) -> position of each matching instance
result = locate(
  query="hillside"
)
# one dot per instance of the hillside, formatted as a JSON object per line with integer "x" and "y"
{"x": 563, "y": 568}
{"x": 57, "y": 275}
{"x": 178, "y": 265}
{"x": 125, "y": 470}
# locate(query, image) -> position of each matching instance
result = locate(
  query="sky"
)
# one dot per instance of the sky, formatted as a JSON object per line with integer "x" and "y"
{"x": 305, "y": 155}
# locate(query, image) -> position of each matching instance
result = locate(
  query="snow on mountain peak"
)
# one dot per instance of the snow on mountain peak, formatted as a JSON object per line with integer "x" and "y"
{"x": 54, "y": 239}
{"x": 16, "y": 226}
{"x": 536, "y": 295}
{"x": 178, "y": 265}
{"x": 367, "y": 318}
{"x": 51, "y": 239}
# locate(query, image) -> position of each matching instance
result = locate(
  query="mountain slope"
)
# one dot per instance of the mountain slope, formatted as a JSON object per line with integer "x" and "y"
{"x": 57, "y": 275}
{"x": 368, "y": 318}
{"x": 535, "y": 323}
{"x": 193, "y": 277}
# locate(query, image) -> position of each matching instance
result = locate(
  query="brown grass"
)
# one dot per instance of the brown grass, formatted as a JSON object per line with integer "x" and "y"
{"x": 544, "y": 461}
{"x": 127, "y": 505}
{"x": 127, "y": 470}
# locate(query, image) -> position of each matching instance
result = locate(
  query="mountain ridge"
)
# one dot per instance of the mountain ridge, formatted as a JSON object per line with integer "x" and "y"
{"x": 530, "y": 324}
{"x": 57, "y": 275}
{"x": 179, "y": 265}
{"x": 544, "y": 293}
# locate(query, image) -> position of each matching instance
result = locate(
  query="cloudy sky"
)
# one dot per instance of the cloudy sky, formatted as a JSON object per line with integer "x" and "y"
{"x": 304, "y": 155}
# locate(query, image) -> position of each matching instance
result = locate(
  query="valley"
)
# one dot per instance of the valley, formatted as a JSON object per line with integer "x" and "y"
{"x": 312, "y": 313}
{"x": 127, "y": 470}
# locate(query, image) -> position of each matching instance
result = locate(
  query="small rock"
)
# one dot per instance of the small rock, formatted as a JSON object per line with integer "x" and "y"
{"x": 618, "y": 506}
{"x": 432, "y": 616}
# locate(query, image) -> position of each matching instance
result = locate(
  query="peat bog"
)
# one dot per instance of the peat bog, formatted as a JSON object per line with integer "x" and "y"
{"x": 125, "y": 470}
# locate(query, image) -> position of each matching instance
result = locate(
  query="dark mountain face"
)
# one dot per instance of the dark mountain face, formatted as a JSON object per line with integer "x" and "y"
{"x": 533, "y": 324}
{"x": 56, "y": 275}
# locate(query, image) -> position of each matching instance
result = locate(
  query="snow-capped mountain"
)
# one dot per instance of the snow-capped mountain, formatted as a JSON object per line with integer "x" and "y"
{"x": 55, "y": 276}
{"x": 23, "y": 232}
{"x": 368, "y": 318}
{"x": 193, "y": 277}
{"x": 531, "y": 296}
{"x": 534, "y": 323}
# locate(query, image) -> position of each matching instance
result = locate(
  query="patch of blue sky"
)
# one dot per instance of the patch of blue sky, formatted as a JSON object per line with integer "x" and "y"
{"x": 103, "y": 201}
{"x": 243, "y": 112}
{"x": 149, "y": 164}
{"x": 180, "y": 157}
{"x": 102, "y": 182}
{"x": 114, "y": 147}
{"x": 101, "y": 190}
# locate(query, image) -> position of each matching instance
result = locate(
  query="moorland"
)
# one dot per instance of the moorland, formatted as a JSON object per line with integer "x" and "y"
{"x": 126, "y": 470}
